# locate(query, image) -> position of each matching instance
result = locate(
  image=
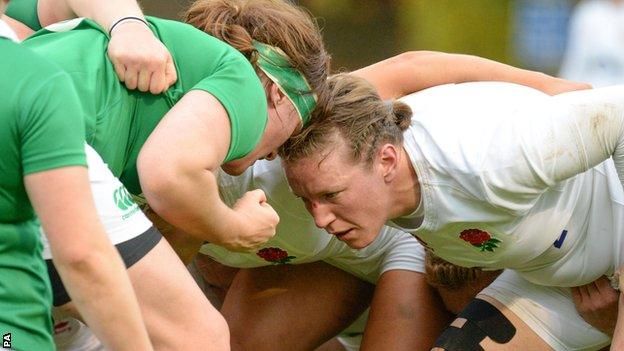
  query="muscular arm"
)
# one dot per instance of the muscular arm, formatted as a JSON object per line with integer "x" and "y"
{"x": 90, "y": 268}
{"x": 417, "y": 70}
{"x": 406, "y": 313}
{"x": 177, "y": 167}
{"x": 588, "y": 128}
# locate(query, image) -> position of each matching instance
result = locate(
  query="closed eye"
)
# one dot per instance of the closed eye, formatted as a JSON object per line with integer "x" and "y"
{"x": 330, "y": 196}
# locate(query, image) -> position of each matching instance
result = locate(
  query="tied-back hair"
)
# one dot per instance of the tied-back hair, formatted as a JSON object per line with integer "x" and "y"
{"x": 443, "y": 274}
{"x": 352, "y": 109}
{"x": 272, "y": 22}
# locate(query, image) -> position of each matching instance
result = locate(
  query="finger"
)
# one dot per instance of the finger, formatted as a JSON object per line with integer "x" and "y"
{"x": 603, "y": 284}
{"x": 271, "y": 210}
{"x": 144, "y": 80}
{"x": 158, "y": 83}
{"x": 131, "y": 77}
{"x": 606, "y": 291}
{"x": 592, "y": 289}
{"x": 120, "y": 70}
{"x": 584, "y": 293}
{"x": 258, "y": 195}
{"x": 576, "y": 295}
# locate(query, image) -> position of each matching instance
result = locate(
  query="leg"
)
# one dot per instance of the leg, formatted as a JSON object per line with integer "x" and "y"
{"x": 486, "y": 324}
{"x": 217, "y": 276}
{"x": 184, "y": 245}
{"x": 296, "y": 307}
{"x": 404, "y": 303}
{"x": 177, "y": 314}
{"x": 516, "y": 314}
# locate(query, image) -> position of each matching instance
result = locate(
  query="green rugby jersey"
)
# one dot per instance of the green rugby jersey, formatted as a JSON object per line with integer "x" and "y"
{"x": 119, "y": 120}
{"x": 41, "y": 128}
{"x": 24, "y": 11}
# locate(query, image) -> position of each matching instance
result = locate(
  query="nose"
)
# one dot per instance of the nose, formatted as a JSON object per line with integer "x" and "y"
{"x": 323, "y": 216}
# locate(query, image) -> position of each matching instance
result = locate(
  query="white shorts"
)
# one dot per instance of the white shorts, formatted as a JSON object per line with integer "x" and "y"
{"x": 548, "y": 311}
{"x": 121, "y": 217}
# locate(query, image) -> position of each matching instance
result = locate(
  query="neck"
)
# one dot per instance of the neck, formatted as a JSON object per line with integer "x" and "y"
{"x": 406, "y": 188}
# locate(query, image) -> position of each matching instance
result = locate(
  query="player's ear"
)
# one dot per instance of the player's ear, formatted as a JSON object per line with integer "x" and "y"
{"x": 388, "y": 160}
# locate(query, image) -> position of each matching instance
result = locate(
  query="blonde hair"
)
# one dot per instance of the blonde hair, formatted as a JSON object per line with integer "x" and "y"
{"x": 351, "y": 108}
{"x": 443, "y": 274}
{"x": 272, "y": 22}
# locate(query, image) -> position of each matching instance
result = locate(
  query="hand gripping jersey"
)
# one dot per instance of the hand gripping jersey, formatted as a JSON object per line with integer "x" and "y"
{"x": 118, "y": 121}
{"x": 513, "y": 178}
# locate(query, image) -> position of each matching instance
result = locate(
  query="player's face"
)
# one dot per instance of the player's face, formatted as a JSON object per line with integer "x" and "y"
{"x": 282, "y": 123}
{"x": 3, "y": 4}
{"x": 346, "y": 199}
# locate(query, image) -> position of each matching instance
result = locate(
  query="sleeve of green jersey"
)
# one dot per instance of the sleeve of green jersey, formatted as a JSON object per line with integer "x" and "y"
{"x": 51, "y": 126}
{"x": 237, "y": 86}
{"x": 24, "y": 11}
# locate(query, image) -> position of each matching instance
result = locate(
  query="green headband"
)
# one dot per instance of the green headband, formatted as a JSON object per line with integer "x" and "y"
{"x": 276, "y": 65}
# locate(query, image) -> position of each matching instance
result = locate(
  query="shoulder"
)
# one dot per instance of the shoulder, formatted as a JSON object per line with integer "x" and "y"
{"x": 24, "y": 70}
{"x": 176, "y": 33}
{"x": 197, "y": 52}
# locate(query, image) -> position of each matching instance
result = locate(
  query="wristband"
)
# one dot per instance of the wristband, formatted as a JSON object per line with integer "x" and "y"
{"x": 110, "y": 31}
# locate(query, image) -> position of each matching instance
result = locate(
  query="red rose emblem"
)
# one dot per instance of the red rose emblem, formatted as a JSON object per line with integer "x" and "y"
{"x": 275, "y": 255}
{"x": 475, "y": 236}
{"x": 480, "y": 239}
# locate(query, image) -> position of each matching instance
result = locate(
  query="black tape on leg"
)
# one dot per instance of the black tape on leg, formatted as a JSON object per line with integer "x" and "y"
{"x": 482, "y": 320}
{"x": 459, "y": 339}
{"x": 490, "y": 320}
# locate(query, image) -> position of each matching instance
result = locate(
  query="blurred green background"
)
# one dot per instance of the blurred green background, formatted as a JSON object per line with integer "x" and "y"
{"x": 526, "y": 33}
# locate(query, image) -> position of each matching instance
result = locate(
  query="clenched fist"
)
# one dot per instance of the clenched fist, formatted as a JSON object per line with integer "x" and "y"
{"x": 141, "y": 61}
{"x": 257, "y": 222}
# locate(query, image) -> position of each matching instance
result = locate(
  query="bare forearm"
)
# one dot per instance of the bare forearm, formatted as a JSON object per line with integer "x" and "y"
{"x": 191, "y": 203}
{"x": 467, "y": 68}
{"x": 104, "y": 12}
{"x": 417, "y": 70}
{"x": 89, "y": 266}
{"x": 101, "y": 289}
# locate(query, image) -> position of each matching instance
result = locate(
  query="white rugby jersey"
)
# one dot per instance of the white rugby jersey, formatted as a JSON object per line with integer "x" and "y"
{"x": 507, "y": 181}
{"x": 298, "y": 240}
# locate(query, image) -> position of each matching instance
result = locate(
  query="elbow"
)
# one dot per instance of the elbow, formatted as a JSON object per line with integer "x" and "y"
{"x": 157, "y": 182}
{"x": 83, "y": 262}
